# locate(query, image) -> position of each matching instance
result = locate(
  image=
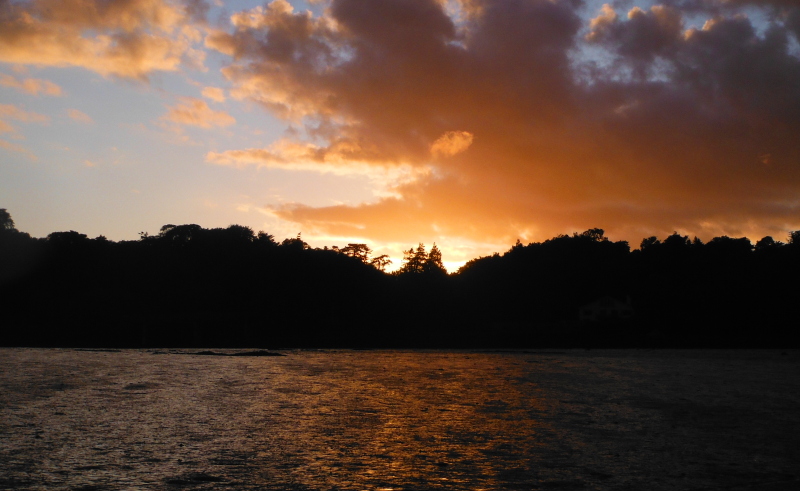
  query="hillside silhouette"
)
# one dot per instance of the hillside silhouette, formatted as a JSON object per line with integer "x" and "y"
{"x": 189, "y": 286}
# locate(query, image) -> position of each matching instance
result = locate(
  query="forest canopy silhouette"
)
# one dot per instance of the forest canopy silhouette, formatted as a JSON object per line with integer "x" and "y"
{"x": 233, "y": 287}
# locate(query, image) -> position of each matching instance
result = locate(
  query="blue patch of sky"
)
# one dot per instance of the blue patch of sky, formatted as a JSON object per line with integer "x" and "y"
{"x": 220, "y": 12}
{"x": 760, "y": 18}
{"x": 589, "y": 60}
{"x": 230, "y": 7}
{"x": 794, "y": 47}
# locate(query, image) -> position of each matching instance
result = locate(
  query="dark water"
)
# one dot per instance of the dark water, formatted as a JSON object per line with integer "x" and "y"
{"x": 574, "y": 420}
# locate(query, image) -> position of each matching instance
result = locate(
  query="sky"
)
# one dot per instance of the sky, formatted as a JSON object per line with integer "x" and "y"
{"x": 468, "y": 123}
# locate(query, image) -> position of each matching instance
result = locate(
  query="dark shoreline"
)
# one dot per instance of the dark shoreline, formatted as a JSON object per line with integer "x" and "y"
{"x": 225, "y": 288}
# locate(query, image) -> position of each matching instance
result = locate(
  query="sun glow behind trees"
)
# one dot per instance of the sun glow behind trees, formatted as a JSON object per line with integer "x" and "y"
{"x": 468, "y": 124}
{"x": 189, "y": 285}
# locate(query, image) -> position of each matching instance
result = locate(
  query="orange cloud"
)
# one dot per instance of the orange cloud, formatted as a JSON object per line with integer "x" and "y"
{"x": 79, "y": 116}
{"x": 33, "y": 86}
{"x": 607, "y": 17}
{"x": 125, "y": 38}
{"x": 195, "y": 112}
{"x": 10, "y": 111}
{"x": 13, "y": 112}
{"x": 214, "y": 93}
{"x": 341, "y": 158}
{"x": 451, "y": 143}
{"x": 666, "y": 131}
{"x": 12, "y": 147}
{"x": 300, "y": 155}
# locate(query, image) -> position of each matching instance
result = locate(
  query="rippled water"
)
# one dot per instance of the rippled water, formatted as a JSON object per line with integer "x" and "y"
{"x": 400, "y": 420}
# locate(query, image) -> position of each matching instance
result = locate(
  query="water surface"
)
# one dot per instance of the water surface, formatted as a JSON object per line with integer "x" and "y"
{"x": 582, "y": 420}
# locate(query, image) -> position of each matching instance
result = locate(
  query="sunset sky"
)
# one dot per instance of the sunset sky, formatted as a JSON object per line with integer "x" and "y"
{"x": 469, "y": 123}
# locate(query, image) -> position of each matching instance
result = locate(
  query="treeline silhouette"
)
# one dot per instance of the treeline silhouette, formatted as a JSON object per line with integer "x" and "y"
{"x": 230, "y": 287}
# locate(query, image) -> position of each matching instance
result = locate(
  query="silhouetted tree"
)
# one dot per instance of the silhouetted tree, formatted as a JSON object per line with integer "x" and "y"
{"x": 433, "y": 263}
{"x": 728, "y": 247}
{"x": 230, "y": 287}
{"x": 414, "y": 260}
{"x": 649, "y": 243}
{"x": 767, "y": 243}
{"x": 594, "y": 234}
{"x": 68, "y": 241}
{"x": 381, "y": 262}
{"x": 179, "y": 235}
{"x": 358, "y": 251}
{"x": 297, "y": 244}
{"x": 265, "y": 240}
{"x": 6, "y": 222}
{"x": 240, "y": 233}
{"x": 19, "y": 253}
{"x": 677, "y": 241}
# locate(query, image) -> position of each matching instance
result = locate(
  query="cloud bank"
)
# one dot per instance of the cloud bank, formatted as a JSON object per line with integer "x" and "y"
{"x": 691, "y": 129}
{"x": 484, "y": 120}
{"x": 123, "y": 38}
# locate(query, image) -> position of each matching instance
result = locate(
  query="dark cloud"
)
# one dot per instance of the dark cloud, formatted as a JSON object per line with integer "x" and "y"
{"x": 642, "y": 36}
{"x": 197, "y": 10}
{"x": 792, "y": 19}
{"x": 691, "y": 130}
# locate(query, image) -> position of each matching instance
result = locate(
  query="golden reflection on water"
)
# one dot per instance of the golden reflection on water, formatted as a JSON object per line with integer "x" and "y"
{"x": 397, "y": 420}
{"x": 389, "y": 418}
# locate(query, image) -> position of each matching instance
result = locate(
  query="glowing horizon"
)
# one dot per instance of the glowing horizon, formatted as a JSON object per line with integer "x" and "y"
{"x": 466, "y": 123}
